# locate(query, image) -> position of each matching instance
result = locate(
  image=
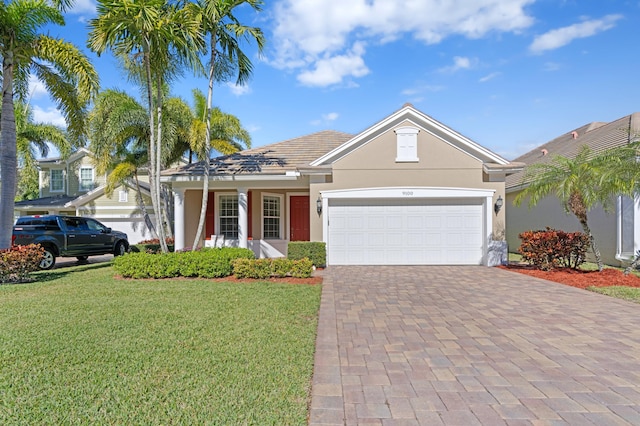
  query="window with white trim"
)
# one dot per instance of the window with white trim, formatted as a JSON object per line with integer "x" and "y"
{"x": 407, "y": 144}
{"x": 271, "y": 216}
{"x": 56, "y": 183}
{"x": 123, "y": 196}
{"x": 86, "y": 178}
{"x": 228, "y": 215}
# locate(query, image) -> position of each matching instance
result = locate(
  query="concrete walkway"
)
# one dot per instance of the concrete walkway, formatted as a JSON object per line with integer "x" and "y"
{"x": 471, "y": 345}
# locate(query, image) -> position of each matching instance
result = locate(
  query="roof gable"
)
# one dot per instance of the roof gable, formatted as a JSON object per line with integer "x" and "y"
{"x": 422, "y": 121}
{"x": 598, "y": 136}
{"x": 81, "y": 152}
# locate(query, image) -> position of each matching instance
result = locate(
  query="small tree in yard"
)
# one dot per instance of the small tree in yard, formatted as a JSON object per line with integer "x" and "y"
{"x": 580, "y": 183}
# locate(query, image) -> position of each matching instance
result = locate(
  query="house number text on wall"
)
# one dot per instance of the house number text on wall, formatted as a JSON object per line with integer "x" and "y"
{"x": 407, "y": 193}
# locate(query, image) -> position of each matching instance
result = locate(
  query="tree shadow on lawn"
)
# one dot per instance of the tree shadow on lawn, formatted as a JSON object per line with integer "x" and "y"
{"x": 44, "y": 276}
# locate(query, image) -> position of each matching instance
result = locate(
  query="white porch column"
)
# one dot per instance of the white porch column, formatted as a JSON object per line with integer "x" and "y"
{"x": 178, "y": 218}
{"x": 243, "y": 218}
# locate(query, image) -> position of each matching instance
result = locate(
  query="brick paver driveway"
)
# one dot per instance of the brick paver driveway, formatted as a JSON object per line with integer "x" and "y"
{"x": 471, "y": 345}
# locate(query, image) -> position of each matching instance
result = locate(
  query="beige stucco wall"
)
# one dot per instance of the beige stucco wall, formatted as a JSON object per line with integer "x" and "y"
{"x": 374, "y": 165}
{"x": 549, "y": 212}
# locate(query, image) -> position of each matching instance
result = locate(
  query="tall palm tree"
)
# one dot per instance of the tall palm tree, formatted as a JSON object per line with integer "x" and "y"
{"x": 163, "y": 38}
{"x": 225, "y": 55}
{"x": 580, "y": 183}
{"x": 66, "y": 72}
{"x": 226, "y": 135}
{"x": 119, "y": 132}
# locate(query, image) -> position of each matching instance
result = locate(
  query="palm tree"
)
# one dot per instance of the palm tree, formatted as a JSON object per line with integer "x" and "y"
{"x": 162, "y": 38}
{"x": 33, "y": 139}
{"x": 119, "y": 131}
{"x": 65, "y": 71}
{"x": 225, "y": 33}
{"x": 226, "y": 135}
{"x": 580, "y": 183}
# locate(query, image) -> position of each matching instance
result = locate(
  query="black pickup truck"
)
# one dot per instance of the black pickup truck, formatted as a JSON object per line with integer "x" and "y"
{"x": 68, "y": 236}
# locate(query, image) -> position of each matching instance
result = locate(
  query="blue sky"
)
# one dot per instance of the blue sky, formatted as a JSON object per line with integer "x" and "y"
{"x": 509, "y": 74}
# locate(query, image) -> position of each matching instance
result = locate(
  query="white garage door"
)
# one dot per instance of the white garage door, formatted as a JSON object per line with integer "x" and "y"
{"x": 135, "y": 228}
{"x": 405, "y": 232}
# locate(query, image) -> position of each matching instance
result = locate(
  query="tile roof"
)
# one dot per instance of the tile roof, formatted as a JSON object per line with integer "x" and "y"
{"x": 598, "y": 136}
{"x": 58, "y": 201}
{"x": 277, "y": 158}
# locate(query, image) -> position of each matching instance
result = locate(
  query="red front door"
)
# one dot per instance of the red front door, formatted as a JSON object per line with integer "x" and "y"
{"x": 299, "y": 218}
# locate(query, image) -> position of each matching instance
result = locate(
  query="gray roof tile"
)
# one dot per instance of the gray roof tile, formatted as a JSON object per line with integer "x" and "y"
{"x": 597, "y": 136}
{"x": 277, "y": 158}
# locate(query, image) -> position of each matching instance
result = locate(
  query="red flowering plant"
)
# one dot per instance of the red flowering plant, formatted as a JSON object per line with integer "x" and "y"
{"x": 552, "y": 248}
{"x": 17, "y": 262}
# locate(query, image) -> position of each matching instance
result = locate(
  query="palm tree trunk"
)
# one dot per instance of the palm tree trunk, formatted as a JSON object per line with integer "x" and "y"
{"x": 8, "y": 152}
{"x": 634, "y": 264}
{"x": 152, "y": 142}
{"x": 143, "y": 207}
{"x": 158, "y": 169}
{"x": 594, "y": 247}
{"x": 205, "y": 186}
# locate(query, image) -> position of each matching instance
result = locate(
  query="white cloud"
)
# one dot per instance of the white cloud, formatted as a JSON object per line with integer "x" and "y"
{"x": 239, "y": 90}
{"x": 326, "y": 119}
{"x": 48, "y": 116}
{"x": 332, "y": 70}
{"x": 489, "y": 77}
{"x": 311, "y": 36}
{"x": 565, "y": 35}
{"x": 36, "y": 88}
{"x": 459, "y": 63}
{"x": 83, "y": 6}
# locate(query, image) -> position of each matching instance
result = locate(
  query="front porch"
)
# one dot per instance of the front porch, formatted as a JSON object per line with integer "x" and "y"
{"x": 261, "y": 219}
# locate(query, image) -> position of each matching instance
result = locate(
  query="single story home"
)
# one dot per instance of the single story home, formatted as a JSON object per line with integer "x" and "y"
{"x": 406, "y": 191}
{"x": 617, "y": 233}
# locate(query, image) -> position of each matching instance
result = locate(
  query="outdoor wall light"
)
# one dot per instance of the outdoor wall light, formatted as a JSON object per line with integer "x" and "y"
{"x": 319, "y": 205}
{"x": 498, "y": 205}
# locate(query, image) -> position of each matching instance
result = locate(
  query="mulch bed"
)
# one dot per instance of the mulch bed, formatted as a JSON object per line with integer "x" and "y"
{"x": 580, "y": 279}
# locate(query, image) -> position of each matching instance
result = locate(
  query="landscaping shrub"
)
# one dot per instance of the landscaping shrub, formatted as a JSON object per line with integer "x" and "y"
{"x": 553, "y": 248}
{"x": 17, "y": 262}
{"x": 313, "y": 250}
{"x": 265, "y": 268}
{"x": 204, "y": 263}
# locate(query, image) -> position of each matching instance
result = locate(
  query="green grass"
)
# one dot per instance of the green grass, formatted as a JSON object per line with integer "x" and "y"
{"x": 626, "y": 293}
{"x": 79, "y": 347}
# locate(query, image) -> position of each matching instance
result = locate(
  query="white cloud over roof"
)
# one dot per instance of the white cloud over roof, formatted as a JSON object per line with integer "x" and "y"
{"x": 323, "y": 40}
{"x": 562, "y": 36}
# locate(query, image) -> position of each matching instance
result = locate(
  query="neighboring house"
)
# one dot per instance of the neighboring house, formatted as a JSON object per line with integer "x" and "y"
{"x": 617, "y": 233}
{"x": 407, "y": 190}
{"x": 71, "y": 186}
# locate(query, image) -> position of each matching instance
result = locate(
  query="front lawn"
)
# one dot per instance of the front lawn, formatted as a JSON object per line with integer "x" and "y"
{"x": 80, "y": 347}
{"x": 626, "y": 293}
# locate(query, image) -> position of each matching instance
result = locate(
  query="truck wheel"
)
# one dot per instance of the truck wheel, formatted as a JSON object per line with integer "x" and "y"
{"x": 120, "y": 249}
{"x": 49, "y": 259}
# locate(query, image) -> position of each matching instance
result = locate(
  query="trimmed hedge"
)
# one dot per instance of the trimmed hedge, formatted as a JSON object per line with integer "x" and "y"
{"x": 204, "y": 263}
{"x": 17, "y": 262}
{"x": 553, "y": 248}
{"x": 148, "y": 248}
{"x": 312, "y": 250}
{"x": 266, "y": 268}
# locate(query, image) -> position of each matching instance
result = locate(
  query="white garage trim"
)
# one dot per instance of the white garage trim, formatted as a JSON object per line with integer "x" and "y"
{"x": 482, "y": 196}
